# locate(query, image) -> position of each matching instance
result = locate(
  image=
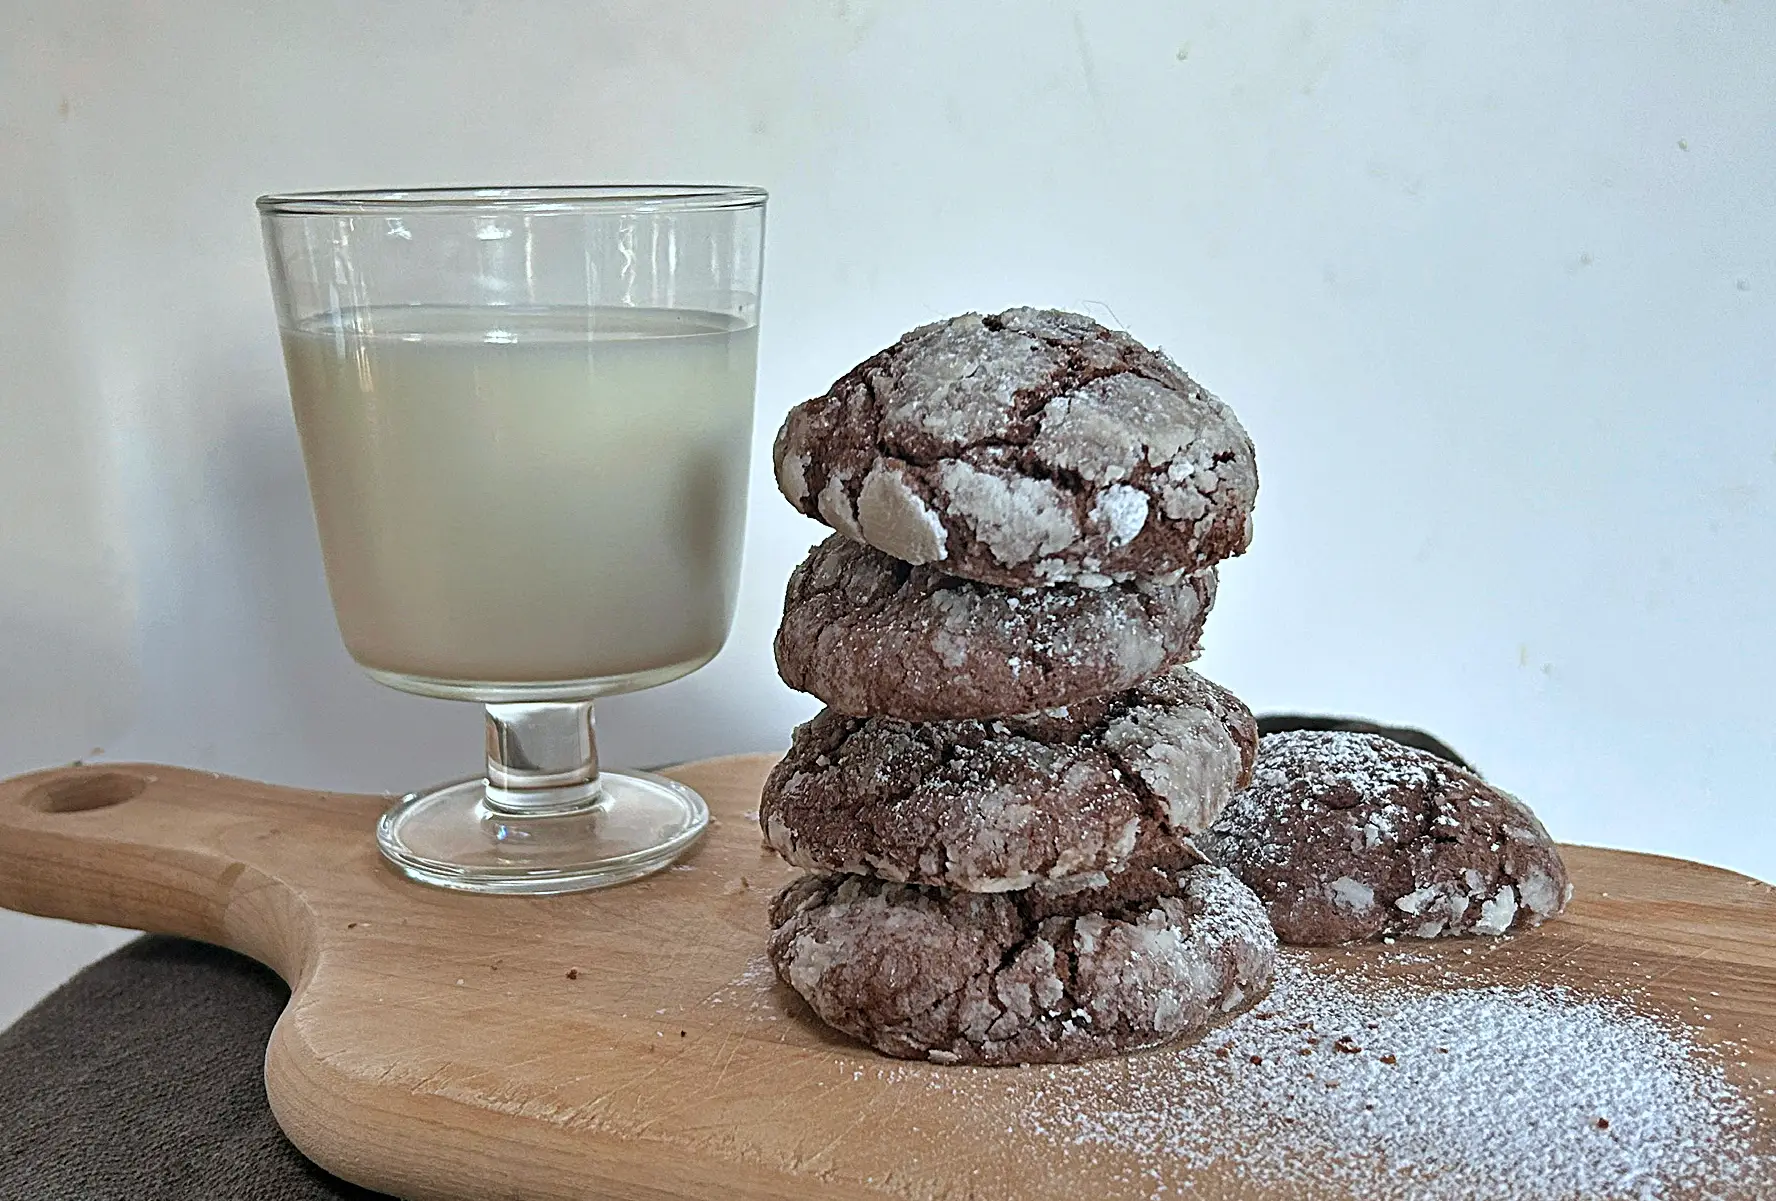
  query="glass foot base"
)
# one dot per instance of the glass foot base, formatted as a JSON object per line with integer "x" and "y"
{"x": 449, "y": 837}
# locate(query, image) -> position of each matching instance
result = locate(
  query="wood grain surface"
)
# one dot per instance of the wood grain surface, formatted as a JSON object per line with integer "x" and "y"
{"x": 631, "y": 1043}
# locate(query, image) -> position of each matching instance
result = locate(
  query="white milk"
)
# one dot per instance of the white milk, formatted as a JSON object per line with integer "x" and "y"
{"x": 527, "y": 496}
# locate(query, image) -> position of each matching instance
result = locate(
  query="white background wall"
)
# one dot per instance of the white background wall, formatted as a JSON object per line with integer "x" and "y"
{"x": 1492, "y": 285}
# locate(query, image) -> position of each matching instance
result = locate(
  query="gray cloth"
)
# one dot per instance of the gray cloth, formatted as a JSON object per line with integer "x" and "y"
{"x": 142, "y": 1079}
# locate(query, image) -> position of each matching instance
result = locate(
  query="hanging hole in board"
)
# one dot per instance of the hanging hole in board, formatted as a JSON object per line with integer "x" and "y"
{"x": 78, "y": 794}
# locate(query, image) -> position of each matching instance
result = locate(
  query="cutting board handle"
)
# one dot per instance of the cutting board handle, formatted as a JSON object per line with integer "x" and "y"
{"x": 170, "y": 851}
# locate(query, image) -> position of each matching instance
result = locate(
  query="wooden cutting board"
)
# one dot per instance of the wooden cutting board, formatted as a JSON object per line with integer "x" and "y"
{"x": 631, "y": 1043}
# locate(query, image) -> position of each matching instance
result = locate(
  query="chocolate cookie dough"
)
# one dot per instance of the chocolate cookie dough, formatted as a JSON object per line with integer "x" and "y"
{"x": 1064, "y": 799}
{"x": 1027, "y": 448}
{"x": 869, "y": 634}
{"x": 1349, "y": 836}
{"x": 957, "y": 977}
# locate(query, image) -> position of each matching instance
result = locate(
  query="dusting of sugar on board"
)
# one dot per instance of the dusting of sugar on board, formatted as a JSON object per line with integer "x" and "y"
{"x": 1434, "y": 1088}
{"x": 1432, "y": 1091}
{"x": 1337, "y": 1086}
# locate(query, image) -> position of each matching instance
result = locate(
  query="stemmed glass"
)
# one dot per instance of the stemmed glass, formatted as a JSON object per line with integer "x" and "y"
{"x": 526, "y": 415}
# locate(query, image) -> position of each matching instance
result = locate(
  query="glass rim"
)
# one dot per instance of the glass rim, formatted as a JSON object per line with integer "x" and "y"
{"x": 546, "y": 198}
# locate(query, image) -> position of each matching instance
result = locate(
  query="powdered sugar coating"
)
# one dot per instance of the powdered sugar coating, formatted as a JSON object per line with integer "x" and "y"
{"x": 870, "y": 634}
{"x": 894, "y": 517}
{"x": 996, "y": 979}
{"x": 1025, "y": 448}
{"x": 1063, "y": 800}
{"x": 1349, "y": 836}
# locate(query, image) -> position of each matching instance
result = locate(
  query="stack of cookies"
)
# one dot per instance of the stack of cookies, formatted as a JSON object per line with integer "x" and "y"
{"x": 999, "y": 805}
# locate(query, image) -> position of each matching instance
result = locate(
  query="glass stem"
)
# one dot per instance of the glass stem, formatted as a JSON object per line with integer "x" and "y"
{"x": 542, "y": 759}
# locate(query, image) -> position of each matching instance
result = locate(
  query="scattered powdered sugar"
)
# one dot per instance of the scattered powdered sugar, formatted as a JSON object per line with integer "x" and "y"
{"x": 1402, "y": 1091}
{"x": 1337, "y": 765}
{"x": 751, "y": 992}
{"x": 1339, "y": 1085}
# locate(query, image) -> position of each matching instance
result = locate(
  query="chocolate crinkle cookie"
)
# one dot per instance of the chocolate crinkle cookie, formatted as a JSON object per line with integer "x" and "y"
{"x": 1349, "y": 836}
{"x": 974, "y": 978}
{"x": 1064, "y": 799}
{"x": 869, "y": 634}
{"x": 1028, "y": 448}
